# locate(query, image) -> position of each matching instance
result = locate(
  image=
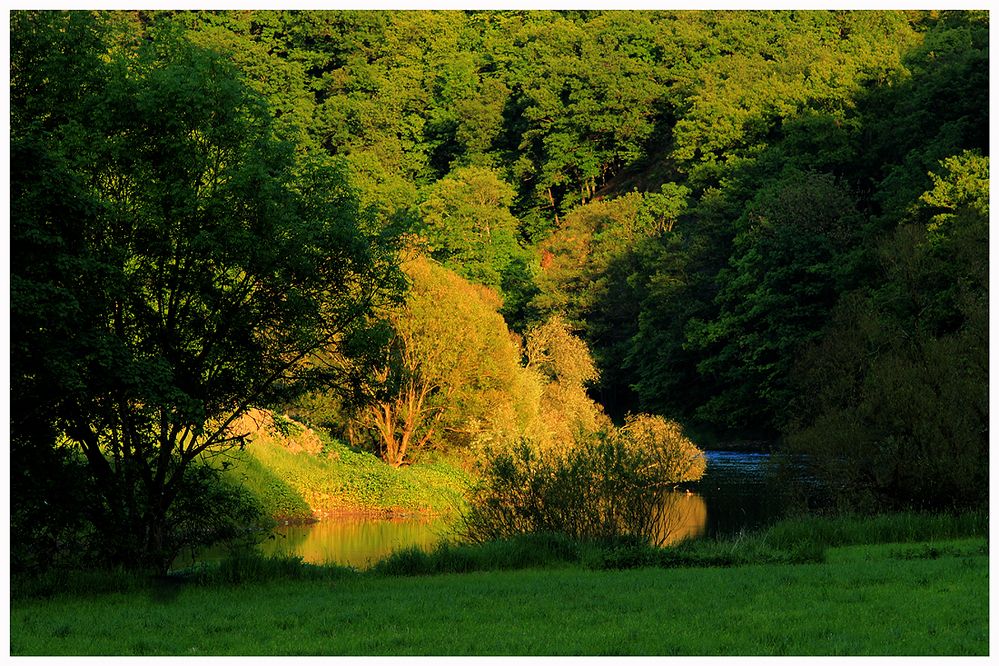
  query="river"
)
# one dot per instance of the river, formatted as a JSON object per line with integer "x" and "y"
{"x": 734, "y": 494}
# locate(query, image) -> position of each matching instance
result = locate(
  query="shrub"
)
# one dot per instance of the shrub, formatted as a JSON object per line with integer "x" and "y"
{"x": 611, "y": 486}
{"x": 676, "y": 458}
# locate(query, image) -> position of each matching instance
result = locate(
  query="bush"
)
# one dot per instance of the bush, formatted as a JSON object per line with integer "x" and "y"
{"x": 49, "y": 526}
{"x": 612, "y": 486}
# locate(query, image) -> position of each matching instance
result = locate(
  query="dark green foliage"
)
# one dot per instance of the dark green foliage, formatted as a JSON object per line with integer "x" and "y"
{"x": 897, "y": 419}
{"x": 787, "y": 268}
{"x": 186, "y": 266}
{"x": 757, "y": 301}
{"x": 897, "y": 391}
{"x": 47, "y": 524}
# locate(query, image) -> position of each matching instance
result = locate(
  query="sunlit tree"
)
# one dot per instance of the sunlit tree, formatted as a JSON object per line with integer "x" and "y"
{"x": 467, "y": 224}
{"x": 451, "y": 371}
{"x": 563, "y": 360}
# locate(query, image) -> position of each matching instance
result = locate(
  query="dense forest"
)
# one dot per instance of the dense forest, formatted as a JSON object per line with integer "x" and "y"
{"x": 474, "y": 231}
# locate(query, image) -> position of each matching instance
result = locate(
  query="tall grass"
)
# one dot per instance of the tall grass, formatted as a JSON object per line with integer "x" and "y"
{"x": 846, "y": 530}
{"x": 250, "y": 566}
{"x": 520, "y": 552}
{"x": 75, "y": 582}
{"x": 240, "y": 566}
{"x": 791, "y": 541}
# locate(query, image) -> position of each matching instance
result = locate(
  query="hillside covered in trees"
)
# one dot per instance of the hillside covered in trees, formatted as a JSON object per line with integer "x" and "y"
{"x": 462, "y": 231}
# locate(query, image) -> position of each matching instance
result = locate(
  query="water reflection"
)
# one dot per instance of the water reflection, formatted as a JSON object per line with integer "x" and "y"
{"x": 354, "y": 541}
{"x": 735, "y": 486}
{"x": 684, "y": 516}
{"x": 360, "y": 541}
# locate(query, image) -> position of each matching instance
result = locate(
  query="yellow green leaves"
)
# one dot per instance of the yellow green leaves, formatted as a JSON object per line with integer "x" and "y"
{"x": 962, "y": 183}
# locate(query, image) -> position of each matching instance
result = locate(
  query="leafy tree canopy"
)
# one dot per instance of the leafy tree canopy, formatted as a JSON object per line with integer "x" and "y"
{"x": 174, "y": 263}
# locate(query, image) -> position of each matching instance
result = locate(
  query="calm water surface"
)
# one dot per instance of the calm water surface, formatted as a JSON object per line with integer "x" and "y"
{"x": 739, "y": 491}
{"x": 734, "y": 494}
{"x": 355, "y": 541}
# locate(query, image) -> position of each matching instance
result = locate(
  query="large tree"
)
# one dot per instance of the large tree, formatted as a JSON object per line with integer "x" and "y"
{"x": 173, "y": 264}
{"x": 451, "y": 372}
{"x": 785, "y": 273}
{"x": 467, "y": 224}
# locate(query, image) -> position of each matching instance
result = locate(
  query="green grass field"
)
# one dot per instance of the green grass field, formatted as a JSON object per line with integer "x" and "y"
{"x": 889, "y": 599}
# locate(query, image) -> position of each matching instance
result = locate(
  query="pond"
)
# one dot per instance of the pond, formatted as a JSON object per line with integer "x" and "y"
{"x": 734, "y": 494}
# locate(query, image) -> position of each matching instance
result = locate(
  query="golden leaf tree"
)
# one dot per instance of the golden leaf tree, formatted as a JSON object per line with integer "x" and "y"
{"x": 451, "y": 372}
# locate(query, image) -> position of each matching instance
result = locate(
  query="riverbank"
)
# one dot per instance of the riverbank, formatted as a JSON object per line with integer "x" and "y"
{"x": 926, "y": 599}
{"x": 300, "y": 475}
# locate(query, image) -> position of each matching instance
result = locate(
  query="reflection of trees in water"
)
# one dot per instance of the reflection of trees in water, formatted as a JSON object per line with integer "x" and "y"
{"x": 679, "y": 516}
{"x": 352, "y": 541}
{"x": 360, "y": 541}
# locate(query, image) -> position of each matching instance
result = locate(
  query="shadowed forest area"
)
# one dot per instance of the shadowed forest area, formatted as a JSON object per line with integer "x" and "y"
{"x": 546, "y": 258}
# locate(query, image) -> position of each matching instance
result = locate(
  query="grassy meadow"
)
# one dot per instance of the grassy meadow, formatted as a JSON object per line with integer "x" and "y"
{"x": 892, "y": 585}
{"x": 926, "y": 599}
